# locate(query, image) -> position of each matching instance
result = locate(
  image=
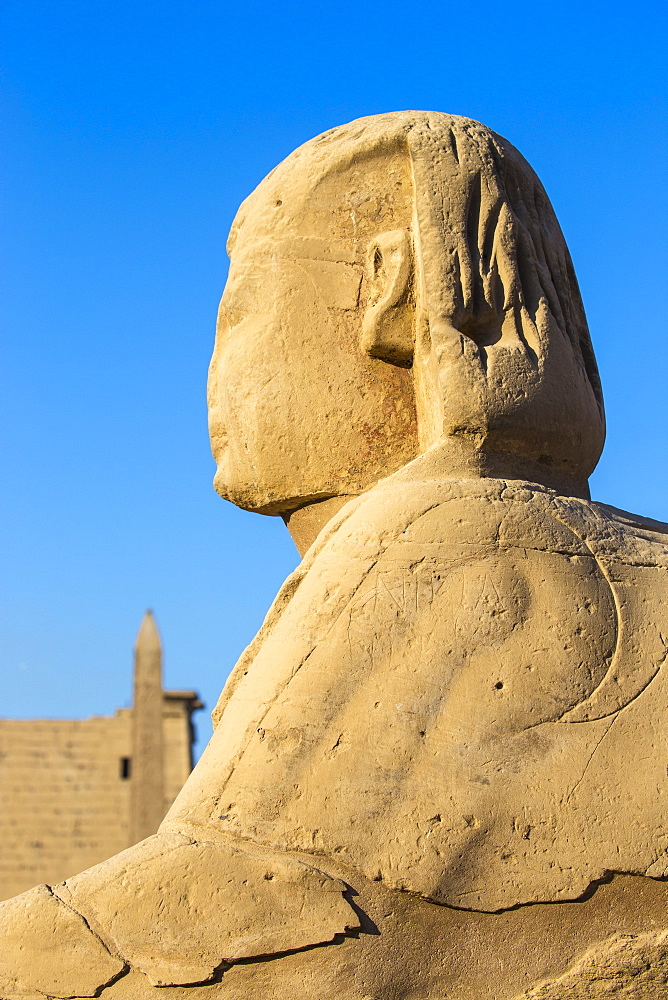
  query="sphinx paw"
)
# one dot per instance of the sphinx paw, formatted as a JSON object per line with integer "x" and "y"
{"x": 48, "y": 950}
{"x": 171, "y": 908}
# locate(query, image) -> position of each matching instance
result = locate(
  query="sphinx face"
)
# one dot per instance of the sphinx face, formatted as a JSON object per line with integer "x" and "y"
{"x": 297, "y": 411}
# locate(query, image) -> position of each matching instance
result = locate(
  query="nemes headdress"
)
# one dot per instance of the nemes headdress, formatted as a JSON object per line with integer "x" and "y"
{"x": 503, "y": 354}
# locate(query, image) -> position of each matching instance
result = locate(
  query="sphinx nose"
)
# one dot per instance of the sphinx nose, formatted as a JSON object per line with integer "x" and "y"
{"x": 215, "y": 365}
{"x": 212, "y": 383}
{"x": 215, "y": 376}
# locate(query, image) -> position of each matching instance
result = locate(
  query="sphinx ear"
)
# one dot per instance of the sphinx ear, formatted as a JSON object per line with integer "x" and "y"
{"x": 389, "y": 320}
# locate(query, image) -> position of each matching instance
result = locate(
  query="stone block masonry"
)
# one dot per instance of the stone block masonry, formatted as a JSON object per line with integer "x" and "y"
{"x": 70, "y": 789}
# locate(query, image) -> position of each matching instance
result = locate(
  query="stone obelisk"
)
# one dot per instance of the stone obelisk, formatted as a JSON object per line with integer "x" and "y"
{"x": 147, "y": 737}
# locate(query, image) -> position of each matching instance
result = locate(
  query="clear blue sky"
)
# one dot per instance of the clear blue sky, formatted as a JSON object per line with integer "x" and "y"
{"x": 133, "y": 132}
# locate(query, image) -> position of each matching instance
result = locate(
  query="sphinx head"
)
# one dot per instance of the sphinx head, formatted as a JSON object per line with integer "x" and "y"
{"x": 397, "y": 285}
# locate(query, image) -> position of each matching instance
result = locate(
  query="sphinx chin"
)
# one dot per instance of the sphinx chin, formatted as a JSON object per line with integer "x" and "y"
{"x": 253, "y": 496}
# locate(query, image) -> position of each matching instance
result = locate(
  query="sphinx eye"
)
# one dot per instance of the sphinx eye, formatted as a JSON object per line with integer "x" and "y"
{"x": 338, "y": 284}
{"x": 234, "y": 316}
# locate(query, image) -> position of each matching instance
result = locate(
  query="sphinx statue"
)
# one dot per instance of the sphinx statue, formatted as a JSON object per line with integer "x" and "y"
{"x": 440, "y": 768}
